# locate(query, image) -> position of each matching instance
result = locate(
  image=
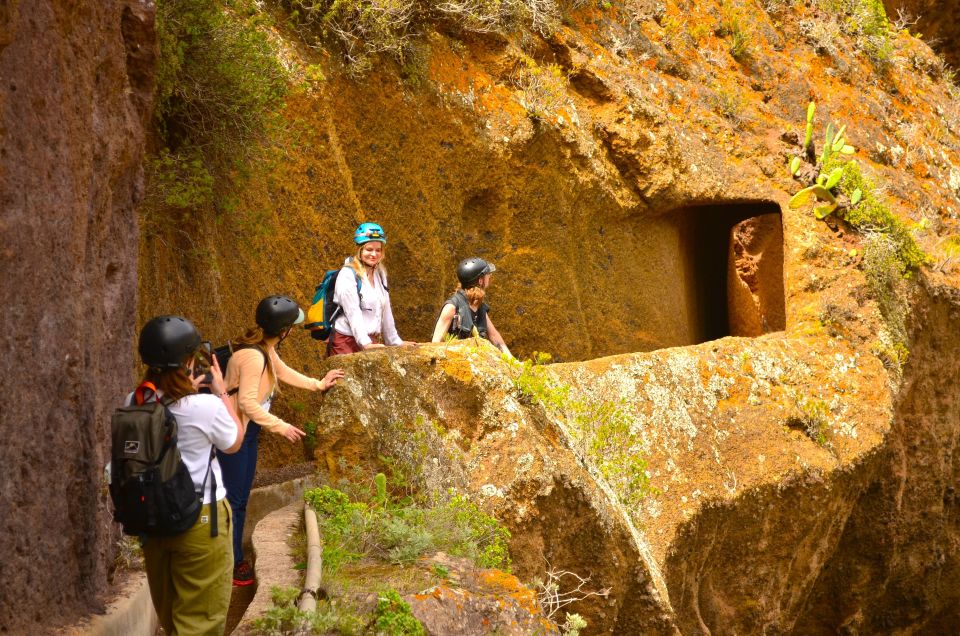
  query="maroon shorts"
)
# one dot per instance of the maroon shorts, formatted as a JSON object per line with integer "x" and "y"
{"x": 340, "y": 344}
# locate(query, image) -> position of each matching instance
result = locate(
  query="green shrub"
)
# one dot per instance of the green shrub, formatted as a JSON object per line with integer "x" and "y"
{"x": 283, "y": 618}
{"x": 219, "y": 83}
{"x": 365, "y": 28}
{"x": 394, "y": 618}
{"x": 871, "y": 214}
{"x": 532, "y": 385}
{"x": 218, "y": 77}
{"x": 605, "y": 429}
{"x": 866, "y": 21}
{"x": 884, "y": 270}
{"x": 573, "y": 625}
{"x": 401, "y": 530}
{"x": 475, "y": 534}
{"x": 542, "y": 88}
{"x": 180, "y": 180}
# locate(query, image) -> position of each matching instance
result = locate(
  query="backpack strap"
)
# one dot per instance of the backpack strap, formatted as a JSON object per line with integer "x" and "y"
{"x": 214, "y": 531}
{"x": 143, "y": 393}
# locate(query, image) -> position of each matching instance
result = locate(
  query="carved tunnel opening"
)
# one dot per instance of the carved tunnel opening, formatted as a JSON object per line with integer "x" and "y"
{"x": 692, "y": 275}
{"x": 736, "y": 268}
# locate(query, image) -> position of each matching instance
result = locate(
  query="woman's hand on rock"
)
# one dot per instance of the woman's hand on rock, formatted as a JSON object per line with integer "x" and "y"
{"x": 373, "y": 345}
{"x": 330, "y": 379}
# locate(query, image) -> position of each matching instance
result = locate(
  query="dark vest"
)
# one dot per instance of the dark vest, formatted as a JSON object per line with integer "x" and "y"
{"x": 465, "y": 319}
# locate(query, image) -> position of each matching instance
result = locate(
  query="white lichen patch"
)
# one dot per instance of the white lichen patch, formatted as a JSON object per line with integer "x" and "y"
{"x": 524, "y": 463}
{"x": 490, "y": 490}
{"x": 670, "y": 411}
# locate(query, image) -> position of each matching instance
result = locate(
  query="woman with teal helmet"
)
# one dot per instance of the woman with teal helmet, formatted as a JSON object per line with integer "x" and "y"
{"x": 363, "y": 295}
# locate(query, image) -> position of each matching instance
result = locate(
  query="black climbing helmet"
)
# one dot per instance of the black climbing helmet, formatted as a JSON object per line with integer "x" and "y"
{"x": 470, "y": 270}
{"x": 167, "y": 341}
{"x": 276, "y": 313}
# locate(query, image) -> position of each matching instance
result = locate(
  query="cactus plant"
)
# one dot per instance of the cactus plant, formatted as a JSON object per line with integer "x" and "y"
{"x": 821, "y": 182}
{"x": 808, "y": 138}
{"x": 795, "y": 165}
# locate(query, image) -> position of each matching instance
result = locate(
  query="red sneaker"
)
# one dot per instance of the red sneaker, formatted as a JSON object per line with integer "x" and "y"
{"x": 242, "y": 574}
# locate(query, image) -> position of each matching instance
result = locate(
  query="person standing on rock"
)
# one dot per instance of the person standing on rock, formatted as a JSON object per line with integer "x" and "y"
{"x": 366, "y": 316}
{"x": 252, "y": 378}
{"x": 465, "y": 310}
{"x": 189, "y": 573}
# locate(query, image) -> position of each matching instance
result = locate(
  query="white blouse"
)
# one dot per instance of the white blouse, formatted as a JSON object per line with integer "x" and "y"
{"x": 367, "y": 317}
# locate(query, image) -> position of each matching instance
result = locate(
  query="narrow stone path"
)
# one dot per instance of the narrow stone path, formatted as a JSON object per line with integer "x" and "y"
{"x": 242, "y": 596}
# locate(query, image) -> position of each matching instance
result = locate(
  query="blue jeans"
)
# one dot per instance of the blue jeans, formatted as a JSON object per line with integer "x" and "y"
{"x": 238, "y": 471}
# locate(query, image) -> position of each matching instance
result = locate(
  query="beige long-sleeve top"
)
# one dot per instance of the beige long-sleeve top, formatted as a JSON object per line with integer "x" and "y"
{"x": 246, "y": 372}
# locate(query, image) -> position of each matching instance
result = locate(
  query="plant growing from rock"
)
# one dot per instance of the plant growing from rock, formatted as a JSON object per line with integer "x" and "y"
{"x": 401, "y": 530}
{"x": 573, "y": 624}
{"x": 284, "y": 618}
{"x": 394, "y": 617}
{"x": 543, "y": 89}
{"x": 808, "y": 168}
{"x": 603, "y": 429}
{"x": 218, "y": 84}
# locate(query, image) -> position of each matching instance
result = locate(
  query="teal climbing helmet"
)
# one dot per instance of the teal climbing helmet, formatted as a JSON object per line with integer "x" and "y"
{"x": 369, "y": 232}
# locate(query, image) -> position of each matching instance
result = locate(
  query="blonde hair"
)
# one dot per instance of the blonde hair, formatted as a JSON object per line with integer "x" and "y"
{"x": 474, "y": 294}
{"x": 357, "y": 264}
{"x": 254, "y": 337}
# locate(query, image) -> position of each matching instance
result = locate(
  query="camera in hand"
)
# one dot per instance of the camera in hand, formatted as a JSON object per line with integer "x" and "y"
{"x": 201, "y": 368}
{"x": 207, "y": 378}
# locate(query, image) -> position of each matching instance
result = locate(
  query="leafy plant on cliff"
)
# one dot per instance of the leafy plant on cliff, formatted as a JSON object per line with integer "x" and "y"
{"x": 884, "y": 269}
{"x": 401, "y": 530}
{"x": 283, "y": 618}
{"x": 806, "y": 167}
{"x": 843, "y": 189}
{"x": 865, "y": 21}
{"x": 394, "y": 616}
{"x": 218, "y": 83}
{"x": 366, "y": 28}
{"x": 890, "y": 252}
{"x": 542, "y": 88}
{"x": 605, "y": 429}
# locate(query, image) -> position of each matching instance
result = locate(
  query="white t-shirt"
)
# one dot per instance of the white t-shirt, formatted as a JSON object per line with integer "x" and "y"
{"x": 202, "y": 420}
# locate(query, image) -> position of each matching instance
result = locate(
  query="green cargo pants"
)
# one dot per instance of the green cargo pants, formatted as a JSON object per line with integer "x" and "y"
{"x": 190, "y": 575}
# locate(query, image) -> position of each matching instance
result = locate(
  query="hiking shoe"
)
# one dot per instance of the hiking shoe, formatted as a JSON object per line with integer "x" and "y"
{"x": 242, "y": 574}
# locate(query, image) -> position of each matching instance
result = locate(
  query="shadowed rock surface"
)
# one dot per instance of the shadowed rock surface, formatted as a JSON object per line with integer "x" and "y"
{"x": 76, "y": 91}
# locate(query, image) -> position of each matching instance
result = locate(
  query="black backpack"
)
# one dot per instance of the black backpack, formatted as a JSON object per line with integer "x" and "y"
{"x": 152, "y": 491}
{"x": 465, "y": 319}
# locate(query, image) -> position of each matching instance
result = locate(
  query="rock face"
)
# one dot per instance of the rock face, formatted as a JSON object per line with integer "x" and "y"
{"x": 476, "y": 602}
{"x": 755, "y": 276}
{"x": 792, "y": 495}
{"x": 936, "y": 20}
{"x": 76, "y": 90}
{"x": 470, "y": 432}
